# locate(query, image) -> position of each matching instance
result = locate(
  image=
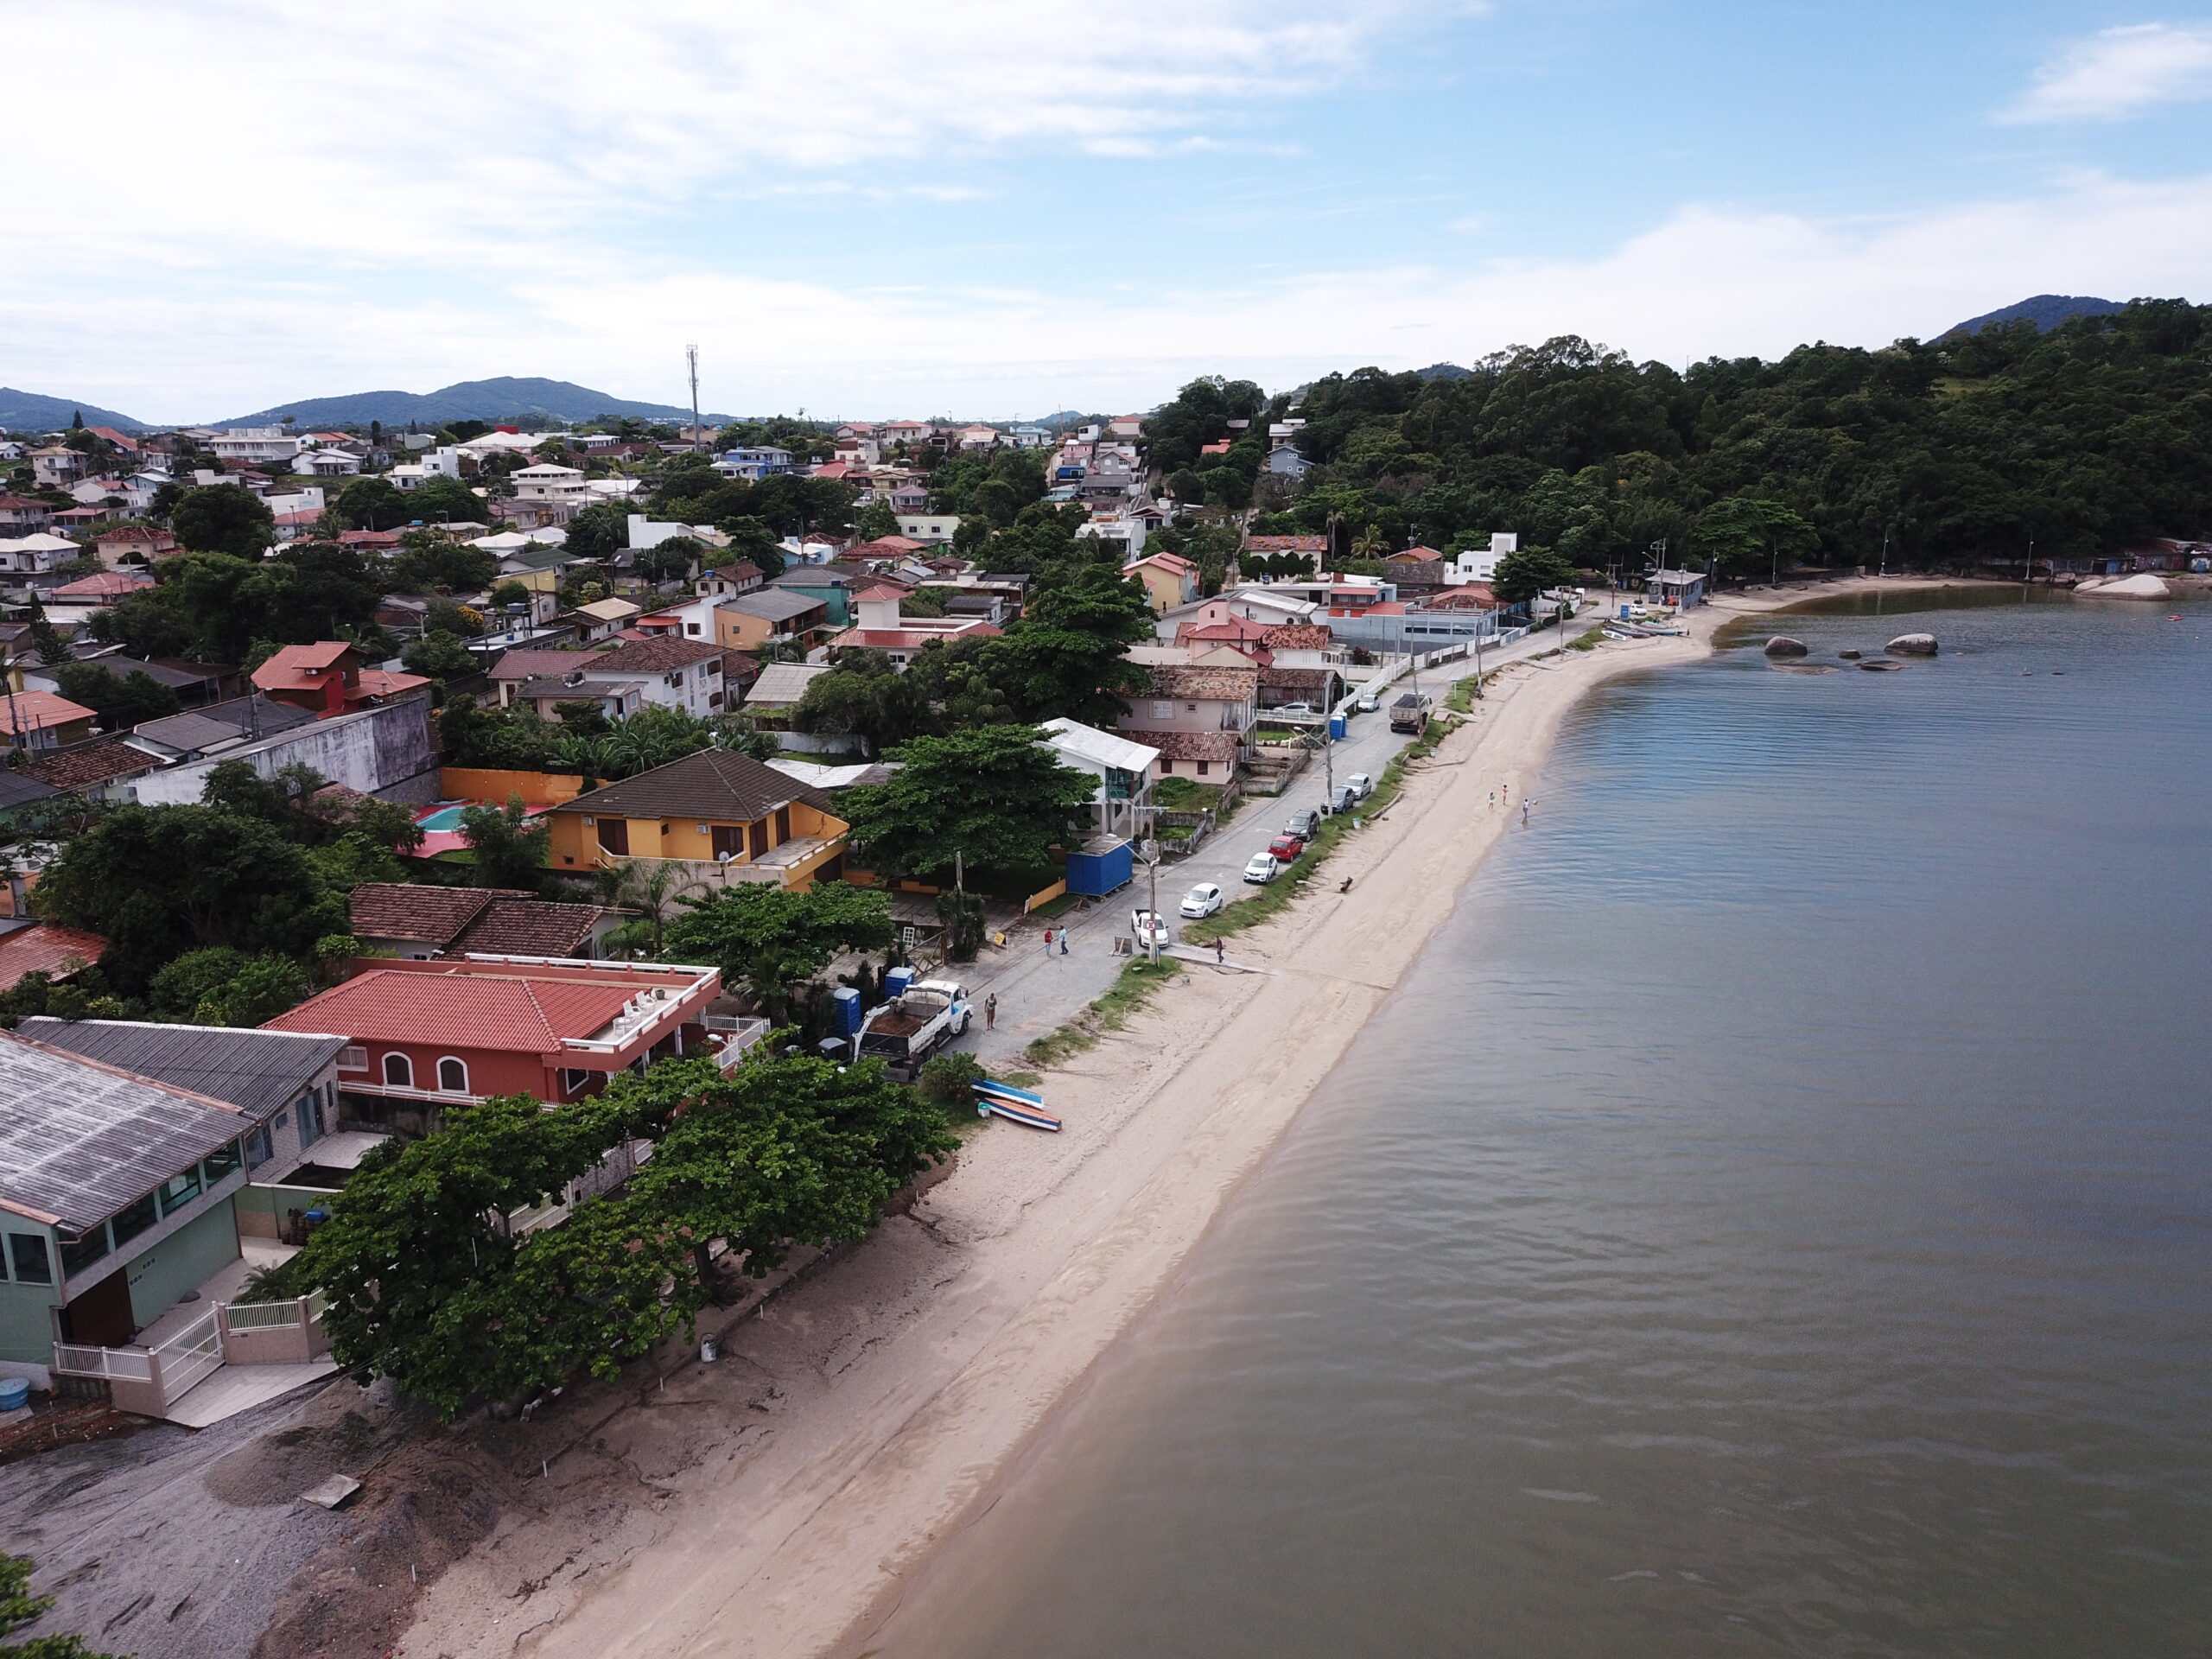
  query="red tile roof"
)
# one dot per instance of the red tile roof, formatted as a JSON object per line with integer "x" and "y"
{"x": 109, "y": 584}
{"x": 529, "y": 927}
{"x": 404, "y": 910}
{"x": 1187, "y": 746}
{"x": 459, "y": 1010}
{"x": 1298, "y": 636}
{"x": 651, "y": 655}
{"x": 45, "y": 949}
{"x": 35, "y": 711}
{"x": 89, "y": 764}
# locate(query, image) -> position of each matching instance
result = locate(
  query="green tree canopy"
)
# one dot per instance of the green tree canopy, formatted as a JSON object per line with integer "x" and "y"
{"x": 430, "y": 560}
{"x": 370, "y": 503}
{"x": 770, "y": 940}
{"x": 599, "y": 530}
{"x": 995, "y": 795}
{"x": 1528, "y": 572}
{"x": 157, "y": 881}
{"x": 223, "y": 518}
{"x": 121, "y": 701}
{"x": 438, "y": 656}
{"x": 510, "y": 851}
{"x": 18, "y": 1607}
{"x": 443, "y": 500}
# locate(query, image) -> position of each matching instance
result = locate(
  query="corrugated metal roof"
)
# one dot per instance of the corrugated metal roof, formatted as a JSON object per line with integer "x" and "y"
{"x": 260, "y": 1072}
{"x": 78, "y": 1141}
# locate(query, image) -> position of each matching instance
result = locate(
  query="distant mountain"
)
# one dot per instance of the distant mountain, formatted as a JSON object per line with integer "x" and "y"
{"x": 1444, "y": 372}
{"x": 468, "y": 400}
{"x": 26, "y": 411}
{"x": 2046, "y": 311}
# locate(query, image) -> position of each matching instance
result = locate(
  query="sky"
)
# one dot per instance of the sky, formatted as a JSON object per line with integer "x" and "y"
{"x": 1000, "y": 211}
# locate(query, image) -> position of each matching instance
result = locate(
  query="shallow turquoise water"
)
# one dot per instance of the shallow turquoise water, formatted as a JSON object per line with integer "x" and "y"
{"x": 1773, "y": 1218}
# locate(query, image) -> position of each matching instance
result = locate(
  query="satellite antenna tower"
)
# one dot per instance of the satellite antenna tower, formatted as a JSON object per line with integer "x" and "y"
{"x": 692, "y": 358}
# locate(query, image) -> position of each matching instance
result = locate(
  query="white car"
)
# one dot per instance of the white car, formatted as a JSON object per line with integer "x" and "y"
{"x": 1370, "y": 703}
{"x": 1203, "y": 901}
{"x": 1150, "y": 930}
{"x": 1289, "y": 709}
{"x": 1362, "y": 784}
{"x": 1263, "y": 868}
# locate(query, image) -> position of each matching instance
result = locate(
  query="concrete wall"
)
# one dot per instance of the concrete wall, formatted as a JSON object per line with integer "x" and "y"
{"x": 384, "y": 752}
{"x": 26, "y": 1320}
{"x": 195, "y": 1253}
{"x": 262, "y": 1210}
{"x": 486, "y": 784}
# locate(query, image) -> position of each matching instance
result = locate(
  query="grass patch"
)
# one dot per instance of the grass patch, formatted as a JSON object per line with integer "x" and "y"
{"x": 1128, "y": 995}
{"x": 1054, "y": 909}
{"x": 1179, "y": 794}
{"x": 1589, "y": 641}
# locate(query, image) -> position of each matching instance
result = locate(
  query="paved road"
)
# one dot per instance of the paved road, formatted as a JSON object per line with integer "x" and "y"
{"x": 1037, "y": 993}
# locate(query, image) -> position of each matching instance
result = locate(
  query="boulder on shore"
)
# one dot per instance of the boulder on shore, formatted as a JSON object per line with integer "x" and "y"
{"x": 1783, "y": 645}
{"x": 1912, "y": 645}
{"x": 2144, "y": 586}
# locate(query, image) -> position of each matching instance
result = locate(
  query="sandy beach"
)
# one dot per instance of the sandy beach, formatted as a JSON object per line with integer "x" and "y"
{"x": 777, "y": 1503}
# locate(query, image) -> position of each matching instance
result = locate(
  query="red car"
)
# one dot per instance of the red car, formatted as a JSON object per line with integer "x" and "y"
{"x": 1287, "y": 847}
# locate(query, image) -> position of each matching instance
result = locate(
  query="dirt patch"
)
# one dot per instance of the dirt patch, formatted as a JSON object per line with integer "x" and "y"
{"x": 424, "y": 1506}
{"x": 342, "y": 1432}
{"x": 68, "y": 1423}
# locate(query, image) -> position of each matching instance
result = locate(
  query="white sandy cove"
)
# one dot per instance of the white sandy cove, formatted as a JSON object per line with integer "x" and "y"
{"x": 779, "y": 1502}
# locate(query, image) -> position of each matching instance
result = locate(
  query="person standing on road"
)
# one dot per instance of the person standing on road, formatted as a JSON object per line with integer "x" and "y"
{"x": 1048, "y": 941}
{"x": 1220, "y": 953}
{"x": 1063, "y": 941}
{"x": 991, "y": 1011}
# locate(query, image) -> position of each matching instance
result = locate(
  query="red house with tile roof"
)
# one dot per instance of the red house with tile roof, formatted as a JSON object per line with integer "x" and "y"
{"x": 449, "y": 1032}
{"x": 327, "y": 679}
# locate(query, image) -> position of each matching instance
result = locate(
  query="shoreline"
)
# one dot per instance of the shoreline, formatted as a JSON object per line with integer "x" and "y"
{"x": 907, "y": 1380}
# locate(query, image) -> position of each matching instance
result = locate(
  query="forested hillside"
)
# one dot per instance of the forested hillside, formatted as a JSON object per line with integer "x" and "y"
{"x": 2088, "y": 438}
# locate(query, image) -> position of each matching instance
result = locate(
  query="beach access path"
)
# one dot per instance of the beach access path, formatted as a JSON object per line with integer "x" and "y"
{"x": 776, "y": 1502}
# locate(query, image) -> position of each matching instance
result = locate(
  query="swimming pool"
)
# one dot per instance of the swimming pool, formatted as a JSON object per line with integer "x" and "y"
{"x": 446, "y": 818}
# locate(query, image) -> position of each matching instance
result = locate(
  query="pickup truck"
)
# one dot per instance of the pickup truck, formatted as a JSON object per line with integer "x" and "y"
{"x": 1409, "y": 713}
{"x": 908, "y": 1029}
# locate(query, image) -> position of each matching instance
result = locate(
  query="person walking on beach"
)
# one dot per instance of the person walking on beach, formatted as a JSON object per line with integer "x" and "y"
{"x": 1524, "y": 813}
{"x": 991, "y": 1011}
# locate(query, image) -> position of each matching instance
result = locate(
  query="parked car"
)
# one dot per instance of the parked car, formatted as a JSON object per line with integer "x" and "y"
{"x": 1204, "y": 899}
{"x": 1290, "y": 709}
{"x": 1305, "y": 823}
{"x": 1362, "y": 784}
{"x": 1262, "y": 869}
{"x": 1369, "y": 703}
{"x": 1286, "y": 846}
{"x": 1150, "y": 929}
{"x": 1345, "y": 799}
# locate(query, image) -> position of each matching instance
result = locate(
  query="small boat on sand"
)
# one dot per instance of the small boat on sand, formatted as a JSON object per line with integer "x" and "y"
{"x": 1015, "y": 1105}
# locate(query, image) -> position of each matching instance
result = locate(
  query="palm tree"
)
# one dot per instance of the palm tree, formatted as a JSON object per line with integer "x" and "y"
{"x": 1369, "y": 544}
{"x": 654, "y": 888}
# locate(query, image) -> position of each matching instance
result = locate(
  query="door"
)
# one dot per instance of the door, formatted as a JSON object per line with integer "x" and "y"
{"x": 100, "y": 1316}
{"x": 614, "y": 836}
{"x": 783, "y": 824}
{"x": 728, "y": 840}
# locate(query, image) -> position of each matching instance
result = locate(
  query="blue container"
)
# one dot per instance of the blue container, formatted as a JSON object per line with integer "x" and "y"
{"x": 895, "y": 982}
{"x": 1338, "y": 726}
{"x": 1623, "y": 612}
{"x": 848, "y": 1002}
{"x": 15, "y": 1392}
{"x": 1103, "y": 867}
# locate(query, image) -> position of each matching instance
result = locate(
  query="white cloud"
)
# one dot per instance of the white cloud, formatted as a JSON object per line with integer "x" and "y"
{"x": 2120, "y": 73}
{"x": 1707, "y": 280}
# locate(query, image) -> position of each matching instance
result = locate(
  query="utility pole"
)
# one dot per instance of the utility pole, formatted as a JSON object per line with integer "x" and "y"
{"x": 1153, "y": 933}
{"x": 691, "y": 360}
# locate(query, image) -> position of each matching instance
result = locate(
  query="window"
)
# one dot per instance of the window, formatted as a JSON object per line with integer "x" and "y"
{"x": 307, "y": 1116}
{"x": 1202, "y": 767}
{"x": 572, "y": 1079}
{"x": 783, "y": 824}
{"x": 728, "y": 840}
{"x": 353, "y": 1059}
{"x": 614, "y": 836}
{"x": 78, "y": 1254}
{"x": 261, "y": 1147}
{"x": 398, "y": 1071}
{"x": 179, "y": 1190}
{"x": 27, "y": 1252}
{"x": 220, "y": 1162}
{"x": 1162, "y": 710}
{"x": 136, "y": 1219}
{"x": 1192, "y": 707}
{"x": 453, "y": 1075}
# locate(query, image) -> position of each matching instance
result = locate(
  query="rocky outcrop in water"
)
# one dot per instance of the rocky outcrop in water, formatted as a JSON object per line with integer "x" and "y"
{"x": 1851, "y": 656}
{"x": 1912, "y": 645}
{"x": 1783, "y": 645}
{"x": 2138, "y": 587}
{"x": 1880, "y": 665}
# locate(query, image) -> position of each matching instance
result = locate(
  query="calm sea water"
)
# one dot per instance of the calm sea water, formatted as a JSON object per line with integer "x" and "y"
{"x": 1776, "y": 1217}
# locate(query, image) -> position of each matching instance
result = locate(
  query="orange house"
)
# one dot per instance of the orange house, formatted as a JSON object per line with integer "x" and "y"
{"x": 725, "y": 818}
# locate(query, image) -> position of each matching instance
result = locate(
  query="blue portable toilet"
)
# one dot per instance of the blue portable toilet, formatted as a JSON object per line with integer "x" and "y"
{"x": 896, "y": 982}
{"x": 1623, "y": 612}
{"x": 848, "y": 1002}
{"x": 1103, "y": 866}
{"x": 1338, "y": 726}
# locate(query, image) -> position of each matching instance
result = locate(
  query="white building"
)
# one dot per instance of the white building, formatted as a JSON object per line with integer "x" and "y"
{"x": 1126, "y": 772}
{"x": 933, "y": 528}
{"x": 547, "y": 481}
{"x": 1477, "y": 564}
{"x": 253, "y": 444}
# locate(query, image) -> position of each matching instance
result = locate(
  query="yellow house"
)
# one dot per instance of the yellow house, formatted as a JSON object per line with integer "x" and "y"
{"x": 1169, "y": 579}
{"x": 724, "y": 816}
